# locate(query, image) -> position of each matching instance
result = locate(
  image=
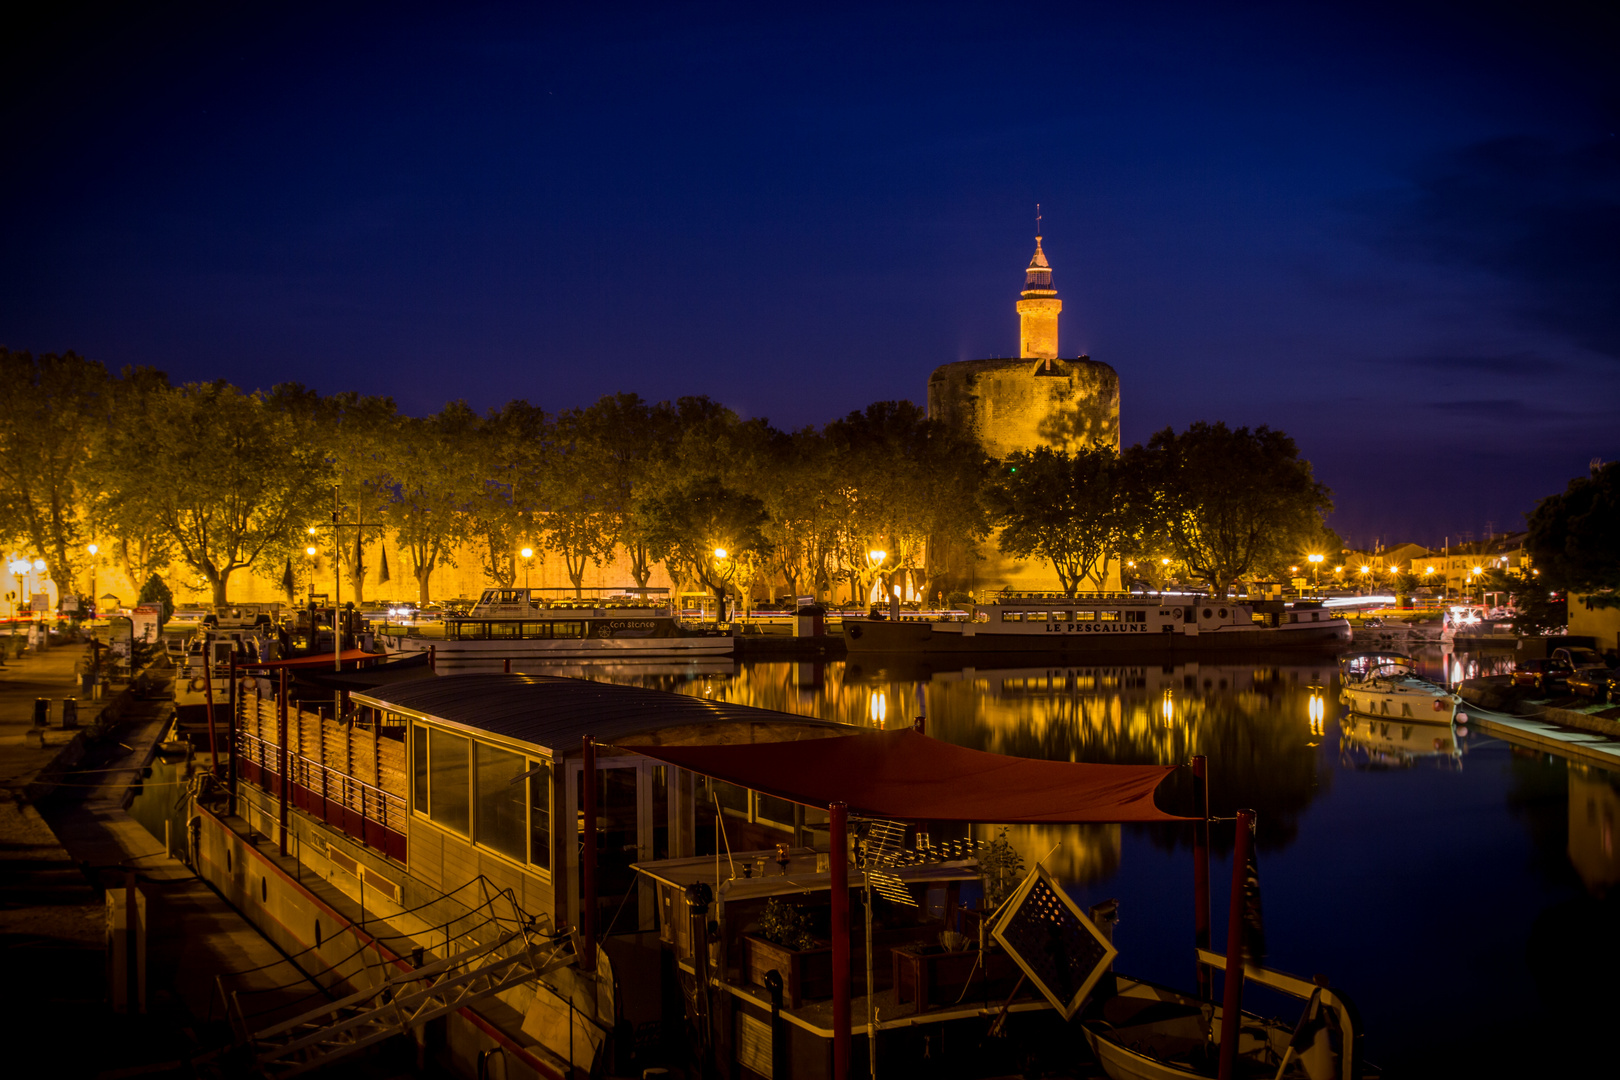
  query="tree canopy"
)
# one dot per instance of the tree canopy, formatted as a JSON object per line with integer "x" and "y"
{"x": 1228, "y": 500}
{"x": 1574, "y": 537}
{"x": 1076, "y": 511}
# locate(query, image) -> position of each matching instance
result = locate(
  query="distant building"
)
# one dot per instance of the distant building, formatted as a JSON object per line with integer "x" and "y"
{"x": 1019, "y": 403}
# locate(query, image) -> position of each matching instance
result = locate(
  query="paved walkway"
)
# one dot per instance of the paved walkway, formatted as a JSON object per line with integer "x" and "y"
{"x": 1554, "y": 738}
{"x": 57, "y": 856}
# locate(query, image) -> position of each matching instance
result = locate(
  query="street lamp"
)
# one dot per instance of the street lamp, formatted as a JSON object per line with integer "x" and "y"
{"x": 1316, "y": 570}
{"x": 92, "y": 549}
{"x": 19, "y": 568}
{"x": 527, "y": 553}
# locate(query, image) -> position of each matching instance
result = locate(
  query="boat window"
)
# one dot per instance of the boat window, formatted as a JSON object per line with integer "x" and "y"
{"x": 732, "y": 799}
{"x": 1085, "y": 616}
{"x": 500, "y": 820}
{"x": 1315, "y": 616}
{"x": 1063, "y": 616}
{"x": 505, "y": 630}
{"x": 488, "y": 595}
{"x": 1293, "y": 617}
{"x": 1108, "y": 616}
{"x": 448, "y": 779}
{"x": 1208, "y": 613}
{"x": 419, "y": 766}
{"x": 540, "y": 815}
{"x": 1012, "y": 616}
{"x": 567, "y": 629}
{"x": 1136, "y": 616}
{"x": 770, "y": 809}
{"x": 1223, "y": 613}
{"x": 1034, "y": 616}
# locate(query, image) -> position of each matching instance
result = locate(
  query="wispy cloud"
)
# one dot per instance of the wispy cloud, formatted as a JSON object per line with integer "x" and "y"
{"x": 1543, "y": 219}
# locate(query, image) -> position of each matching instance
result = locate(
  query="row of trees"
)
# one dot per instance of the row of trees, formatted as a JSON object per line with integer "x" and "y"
{"x": 224, "y": 480}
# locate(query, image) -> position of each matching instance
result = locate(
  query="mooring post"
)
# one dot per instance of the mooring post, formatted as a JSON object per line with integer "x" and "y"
{"x": 1232, "y": 999}
{"x": 587, "y": 869}
{"x": 1201, "y": 938}
{"x": 838, "y": 868}
{"x": 281, "y": 756}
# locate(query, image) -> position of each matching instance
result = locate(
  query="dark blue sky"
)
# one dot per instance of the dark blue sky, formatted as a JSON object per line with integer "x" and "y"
{"x": 1392, "y": 231}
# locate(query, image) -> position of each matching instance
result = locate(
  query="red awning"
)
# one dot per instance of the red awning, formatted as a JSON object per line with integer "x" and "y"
{"x": 906, "y": 775}
{"x": 316, "y": 660}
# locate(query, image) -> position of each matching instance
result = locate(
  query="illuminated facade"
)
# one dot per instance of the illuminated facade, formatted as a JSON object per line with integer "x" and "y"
{"x": 1034, "y": 399}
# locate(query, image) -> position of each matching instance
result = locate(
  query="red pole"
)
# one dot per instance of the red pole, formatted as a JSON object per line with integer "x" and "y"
{"x": 230, "y": 737}
{"x": 838, "y": 866}
{"x": 208, "y": 694}
{"x": 587, "y": 859}
{"x": 281, "y": 755}
{"x": 1232, "y": 999}
{"x": 1201, "y": 936}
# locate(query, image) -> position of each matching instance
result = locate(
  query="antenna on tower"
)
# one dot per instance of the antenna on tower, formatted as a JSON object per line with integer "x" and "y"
{"x": 1037, "y": 221}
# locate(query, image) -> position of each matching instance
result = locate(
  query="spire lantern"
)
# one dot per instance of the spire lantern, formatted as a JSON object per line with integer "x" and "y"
{"x": 1038, "y": 306}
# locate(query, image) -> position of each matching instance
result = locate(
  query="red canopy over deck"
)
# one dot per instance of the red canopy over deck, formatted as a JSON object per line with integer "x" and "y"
{"x": 905, "y": 774}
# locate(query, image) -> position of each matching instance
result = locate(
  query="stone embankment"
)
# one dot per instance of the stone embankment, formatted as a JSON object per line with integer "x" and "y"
{"x": 1498, "y": 694}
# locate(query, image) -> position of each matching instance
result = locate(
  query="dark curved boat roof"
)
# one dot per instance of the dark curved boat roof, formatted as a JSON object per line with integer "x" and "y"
{"x": 556, "y": 713}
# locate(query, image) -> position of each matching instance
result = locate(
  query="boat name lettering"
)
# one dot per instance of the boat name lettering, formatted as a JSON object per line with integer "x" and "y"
{"x": 631, "y": 624}
{"x": 1096, "y": 628}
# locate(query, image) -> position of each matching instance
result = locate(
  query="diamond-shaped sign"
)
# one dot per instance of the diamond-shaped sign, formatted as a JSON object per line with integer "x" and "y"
{"x": 1060, "y": 950}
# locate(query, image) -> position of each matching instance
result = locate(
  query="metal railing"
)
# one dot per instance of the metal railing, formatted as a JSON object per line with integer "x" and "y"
{"x": 346, "y": 792}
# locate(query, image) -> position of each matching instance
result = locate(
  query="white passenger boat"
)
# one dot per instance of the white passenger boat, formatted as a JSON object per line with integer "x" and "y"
{"x": 1098, "y": 622}
{"x": 1385, "y": 684}
{"x": 511, "y": 628}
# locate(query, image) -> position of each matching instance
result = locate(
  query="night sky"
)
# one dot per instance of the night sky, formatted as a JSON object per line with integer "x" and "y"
{"x": 1392, "y": 231}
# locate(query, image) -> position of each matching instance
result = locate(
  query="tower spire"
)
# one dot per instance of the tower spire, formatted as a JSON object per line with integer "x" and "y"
{"x": 1038, "y": 306}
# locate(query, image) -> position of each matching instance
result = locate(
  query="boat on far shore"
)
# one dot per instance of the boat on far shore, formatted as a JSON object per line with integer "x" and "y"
{"x": 518, "y": 626}
{"x": 1386, "y": 685}
{"x": 1046, "y": 622}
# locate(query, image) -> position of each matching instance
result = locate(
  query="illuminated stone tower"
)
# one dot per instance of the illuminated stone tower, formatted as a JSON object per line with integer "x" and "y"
{"x": 1020, "y": 403}
{"x": 1038, "y": 310}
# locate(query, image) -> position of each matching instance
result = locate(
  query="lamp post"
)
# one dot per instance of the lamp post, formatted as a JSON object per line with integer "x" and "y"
{"x": 1365, "y": 570}
{"x": 1316, "y": 571}
{"x": 92, "y": 549}
{"x": 726, "y": 570}
{"x": 527, "y": 553}
{"x": 20, "y": 567}
{"x": 876, "y": 557}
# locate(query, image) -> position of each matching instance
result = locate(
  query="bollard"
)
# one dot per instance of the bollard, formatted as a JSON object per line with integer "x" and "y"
{"x": 42, "y": 712}
{"x": 70, "y": 713}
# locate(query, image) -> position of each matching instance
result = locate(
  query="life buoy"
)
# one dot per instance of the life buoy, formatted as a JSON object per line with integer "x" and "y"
{"x": 1438, "y": 705}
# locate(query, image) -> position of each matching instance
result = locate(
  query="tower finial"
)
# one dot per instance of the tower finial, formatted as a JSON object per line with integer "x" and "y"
{"x": 1037, "y": 221}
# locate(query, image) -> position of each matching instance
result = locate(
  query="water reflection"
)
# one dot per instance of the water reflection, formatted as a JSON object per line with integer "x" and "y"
{"x": 1594, "y": 804}
{"x": 1372, "y": 743}
{"x": 1259, "y": 722}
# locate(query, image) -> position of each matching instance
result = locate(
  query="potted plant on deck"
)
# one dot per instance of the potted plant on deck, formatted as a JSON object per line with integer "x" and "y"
{"x": 781, "y": 941}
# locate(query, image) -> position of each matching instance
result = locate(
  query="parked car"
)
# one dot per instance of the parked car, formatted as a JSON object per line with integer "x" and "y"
{"x": 1544, "y": 675}
{"x": 1580, "y": 659}
{"x": 1595, "y": 684}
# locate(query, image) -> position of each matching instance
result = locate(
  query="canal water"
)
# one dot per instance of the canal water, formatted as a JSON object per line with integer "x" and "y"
{"x": 1460, "y": 889}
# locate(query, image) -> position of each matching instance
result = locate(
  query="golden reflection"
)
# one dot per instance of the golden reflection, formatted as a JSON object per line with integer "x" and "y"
{"x": 1594, "y": 806}
{"x": 1074, "y": 853}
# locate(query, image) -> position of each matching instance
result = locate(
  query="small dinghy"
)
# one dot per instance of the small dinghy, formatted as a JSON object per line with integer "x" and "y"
{"x": 1148, "y": 1032}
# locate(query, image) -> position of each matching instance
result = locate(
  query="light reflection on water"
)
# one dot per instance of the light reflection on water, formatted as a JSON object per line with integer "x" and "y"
{"x": 1456, "y": 886}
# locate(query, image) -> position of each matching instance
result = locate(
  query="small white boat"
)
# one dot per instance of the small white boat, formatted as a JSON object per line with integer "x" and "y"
{"x": 1148, "y": 1032}
{"x": 1385, "y": 684}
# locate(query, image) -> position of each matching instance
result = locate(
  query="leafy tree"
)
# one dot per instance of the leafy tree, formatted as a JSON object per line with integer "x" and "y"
{"x": 365, "y": 447}
{"x": 802, "y": 529}
{"x": 627, "y": 442}
{"x": 1573, "y": 537}
{"x": 1537, "y": 610}
{"x": 1228, "y": 500}
{"x": 433, "y": 482}
{"x": 229, "y": 477}
{"x": 577, "y": 519}
{"x": 688, "y": 528}
{"x": 129, "y": 514}
{"x": 909, "y": 482}
{"x": 155, "y": 591}
{"x": 511, "y": 447}
{"x": 1074, "y": 510}
{"x": 55, "y": 408}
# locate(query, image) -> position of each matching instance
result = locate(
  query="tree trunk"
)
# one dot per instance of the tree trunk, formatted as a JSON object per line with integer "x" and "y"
{"x": 219, "y": 580}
